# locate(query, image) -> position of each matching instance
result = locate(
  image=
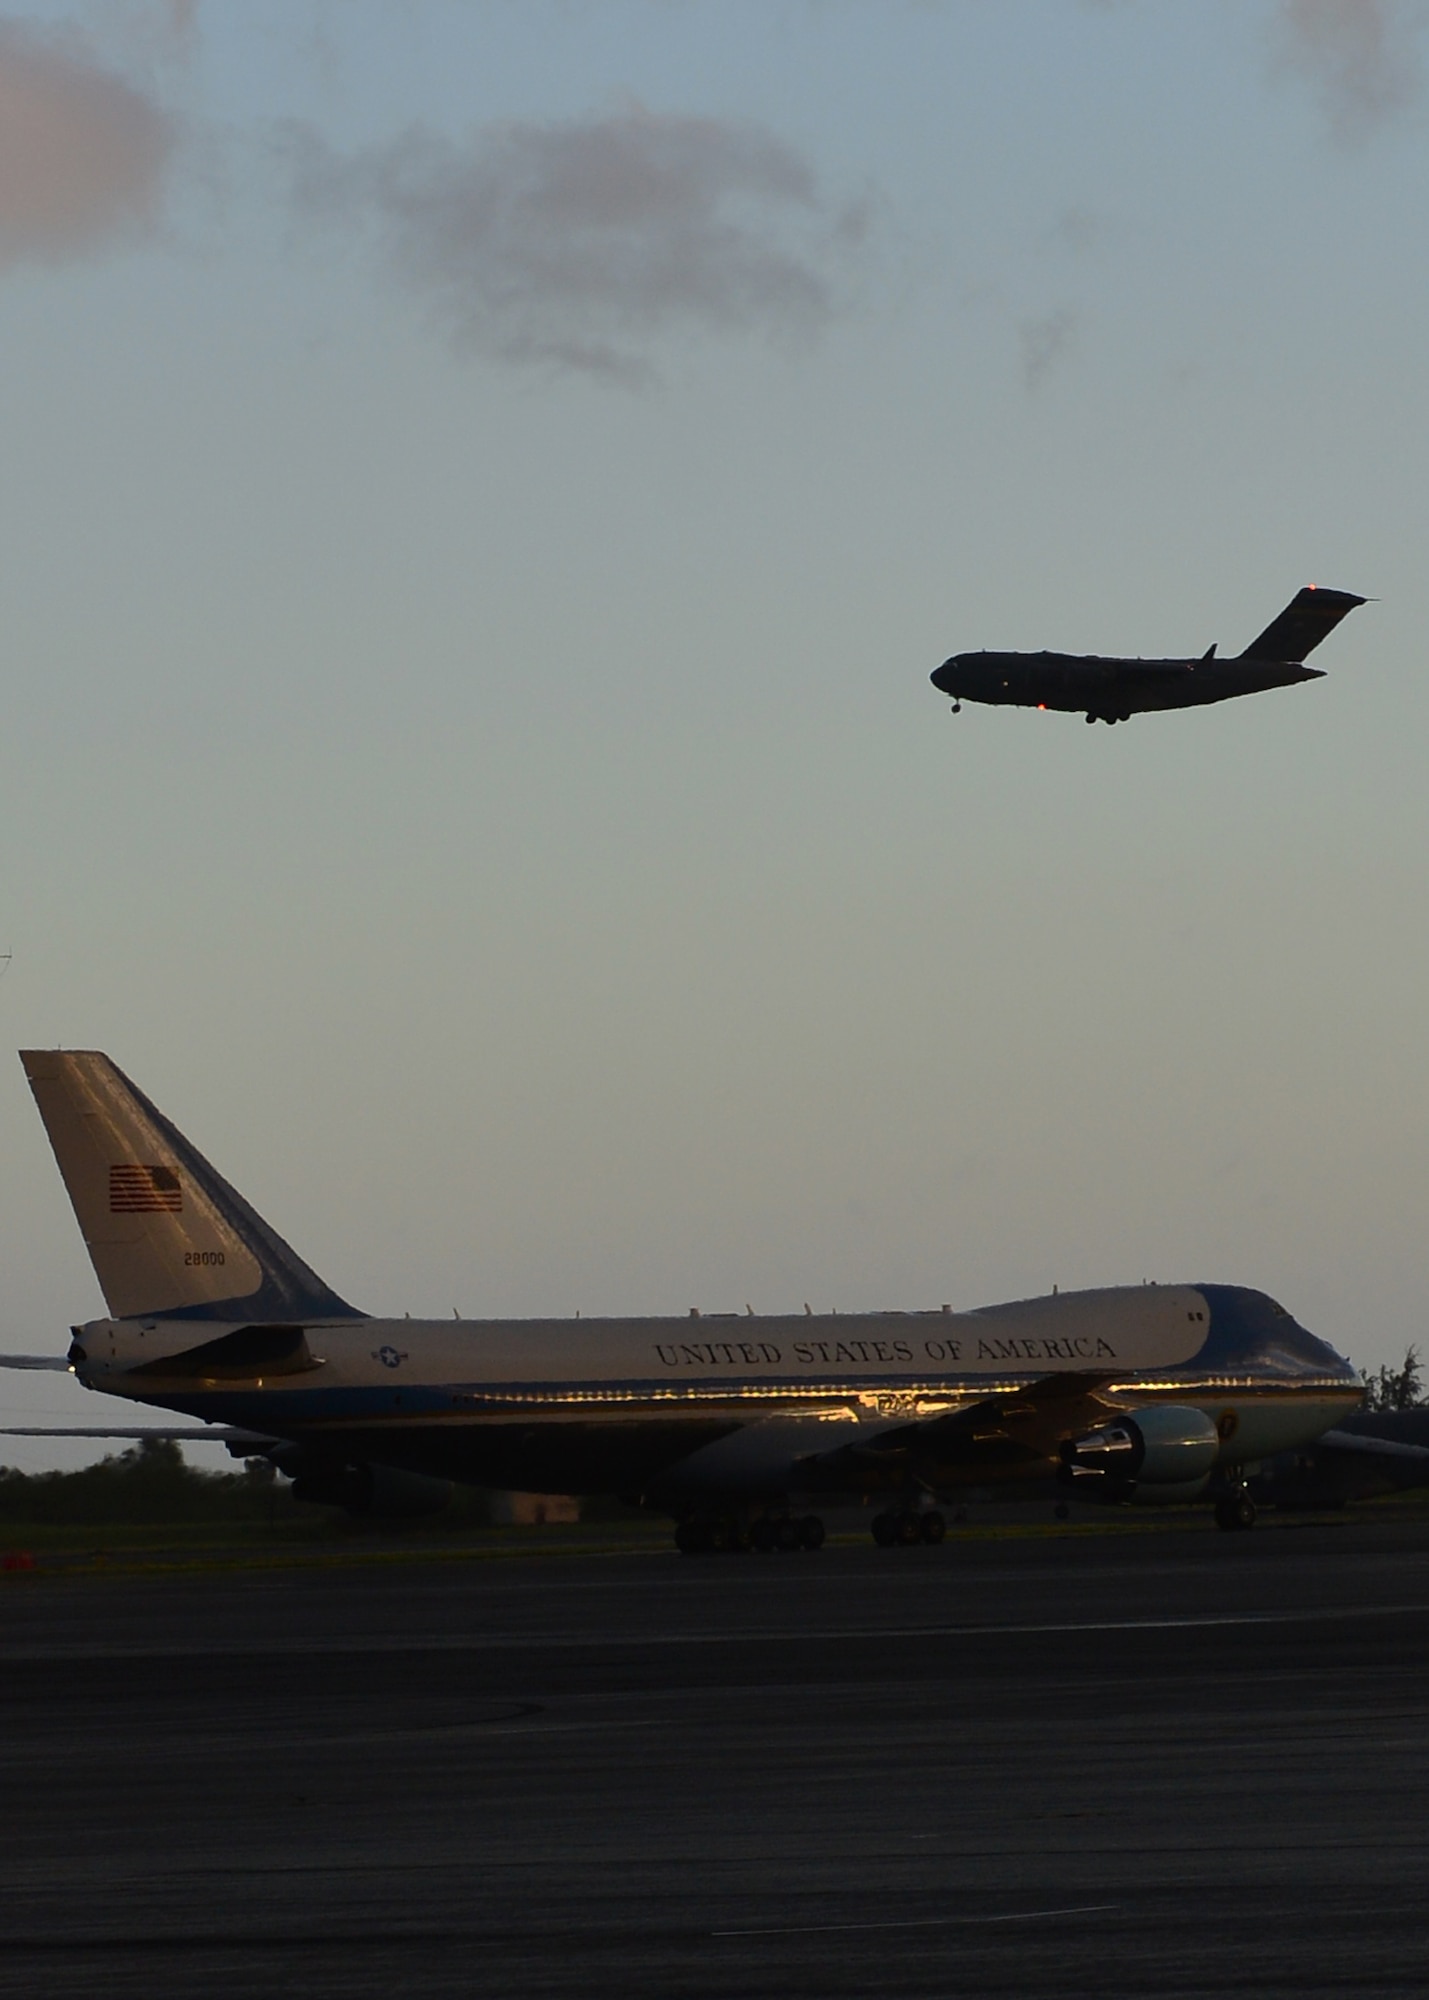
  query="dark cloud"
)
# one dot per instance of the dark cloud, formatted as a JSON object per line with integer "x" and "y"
{"x": 580, "y": 245}
{"x": 1361, "y": 55}
{"x": 1077, "y": 229}
{"x": 82, "y": 152}
{"x": 1045, "y": 342}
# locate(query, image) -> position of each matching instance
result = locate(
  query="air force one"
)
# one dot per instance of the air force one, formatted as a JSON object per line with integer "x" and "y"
{"x": 740, "y": 1427}
{"x": 1113, "y": 690}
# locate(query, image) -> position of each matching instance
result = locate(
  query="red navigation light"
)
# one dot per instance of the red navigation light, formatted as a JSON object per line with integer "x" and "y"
{"x": 1042, "y": 706}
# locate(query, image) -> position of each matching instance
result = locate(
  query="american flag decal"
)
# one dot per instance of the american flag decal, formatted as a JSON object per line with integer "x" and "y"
{"x": 144, "y": 1191}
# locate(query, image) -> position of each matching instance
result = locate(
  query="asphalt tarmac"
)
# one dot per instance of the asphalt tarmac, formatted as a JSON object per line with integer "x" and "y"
{"x": 1185, "y": 1763}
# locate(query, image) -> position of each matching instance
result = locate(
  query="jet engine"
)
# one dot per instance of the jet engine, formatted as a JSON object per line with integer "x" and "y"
{"x": 376, "y": 1492}
{"x": 1164, "y": 1453}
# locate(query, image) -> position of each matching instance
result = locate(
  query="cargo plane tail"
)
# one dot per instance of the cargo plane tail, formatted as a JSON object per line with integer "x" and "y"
{"x": 1311, "y": 615}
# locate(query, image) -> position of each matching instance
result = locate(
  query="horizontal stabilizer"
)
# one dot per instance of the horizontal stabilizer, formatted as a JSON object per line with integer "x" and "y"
{"x": 1310, "y": 616}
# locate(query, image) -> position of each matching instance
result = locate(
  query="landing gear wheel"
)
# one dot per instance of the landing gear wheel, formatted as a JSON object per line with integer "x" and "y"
{"x": 761, "y": 1535}
{"x": 885, "y": 1530}
{"x": 787, "y": 1538}
{"x": 907, "y": 1530}
{"x": 691, "y": 1538}
{"x": 811, "y": 1532}
{"x": 1235, "y": 1512}
{"x": 931, "y": 1526}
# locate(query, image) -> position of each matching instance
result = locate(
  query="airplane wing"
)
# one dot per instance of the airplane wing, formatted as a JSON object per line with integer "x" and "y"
{"x": 1382, "y": 1447}
{"x": 241, "y": 1444}
{"x": 54, "y": 1362}
{"x": 1023, "y": 1427}
{"x": 1345, "y": 1465}
{"x": 214, "y": 1434}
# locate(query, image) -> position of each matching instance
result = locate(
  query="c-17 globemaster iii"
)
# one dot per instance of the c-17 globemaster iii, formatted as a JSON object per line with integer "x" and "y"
{"x": 734, "y": 1424}
{"x": 1111, "y": 690}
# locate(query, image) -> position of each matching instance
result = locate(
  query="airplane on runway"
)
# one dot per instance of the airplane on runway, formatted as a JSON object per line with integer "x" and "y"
{"x": 1371, "y": 1453}
{"x": 1112, "y": 690}
{"x": 739, "y": 1426}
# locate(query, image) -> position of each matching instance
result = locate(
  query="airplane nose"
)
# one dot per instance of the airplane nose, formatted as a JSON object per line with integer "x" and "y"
{"x": 942, "y": 677}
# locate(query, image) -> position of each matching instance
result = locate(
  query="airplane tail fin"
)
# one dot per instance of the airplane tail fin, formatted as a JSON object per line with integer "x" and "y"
{"x": 1310, "y": 616}
{"x": 165, "y": 1232}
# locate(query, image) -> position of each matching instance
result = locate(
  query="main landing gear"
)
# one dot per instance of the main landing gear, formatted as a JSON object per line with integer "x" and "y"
{"x": 906, "y": 1527}
{"x": 1096, "y": 715}
{"x": 1235, "y": 1511}
{"x": 787, "y": 1533}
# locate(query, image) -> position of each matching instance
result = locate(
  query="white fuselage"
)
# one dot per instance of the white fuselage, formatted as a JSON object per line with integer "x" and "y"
{"x": 622, "y": 1403}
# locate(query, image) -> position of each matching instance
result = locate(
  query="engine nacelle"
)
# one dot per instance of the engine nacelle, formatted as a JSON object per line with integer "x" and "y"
{"x": 1165, "y": 1453}
{"x": 377, "y": 1492}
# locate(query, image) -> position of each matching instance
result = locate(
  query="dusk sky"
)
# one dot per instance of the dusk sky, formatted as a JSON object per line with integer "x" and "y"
{"x": 485, "y": 485}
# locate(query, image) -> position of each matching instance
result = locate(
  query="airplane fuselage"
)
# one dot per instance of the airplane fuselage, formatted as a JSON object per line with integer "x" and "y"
{"x": 1158, "y": 1393}
{"x": 732, "y": 1408}
{"x": 1108, "y": 688}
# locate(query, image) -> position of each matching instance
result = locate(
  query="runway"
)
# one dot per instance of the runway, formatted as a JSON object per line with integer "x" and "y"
{"x": 1185, "y": 1763}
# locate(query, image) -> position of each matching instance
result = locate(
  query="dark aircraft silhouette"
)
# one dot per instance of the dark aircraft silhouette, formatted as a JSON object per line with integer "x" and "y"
{"x": 1111, "y": 690}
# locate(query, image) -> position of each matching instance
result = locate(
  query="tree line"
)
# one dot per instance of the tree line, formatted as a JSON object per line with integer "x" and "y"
{"x": 1400, "y": 1388}
{"x": 150, "y": 1483}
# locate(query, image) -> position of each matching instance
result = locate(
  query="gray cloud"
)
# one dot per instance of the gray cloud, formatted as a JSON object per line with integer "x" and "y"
{"x": 144, "y": 24}
{"x": 580, "y": 245}
{"x": 1045, "y": 342}
{"x": 1078, "y": 230}
{"x": 1361, "y": 56}
{"x": 82, "y": 152}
